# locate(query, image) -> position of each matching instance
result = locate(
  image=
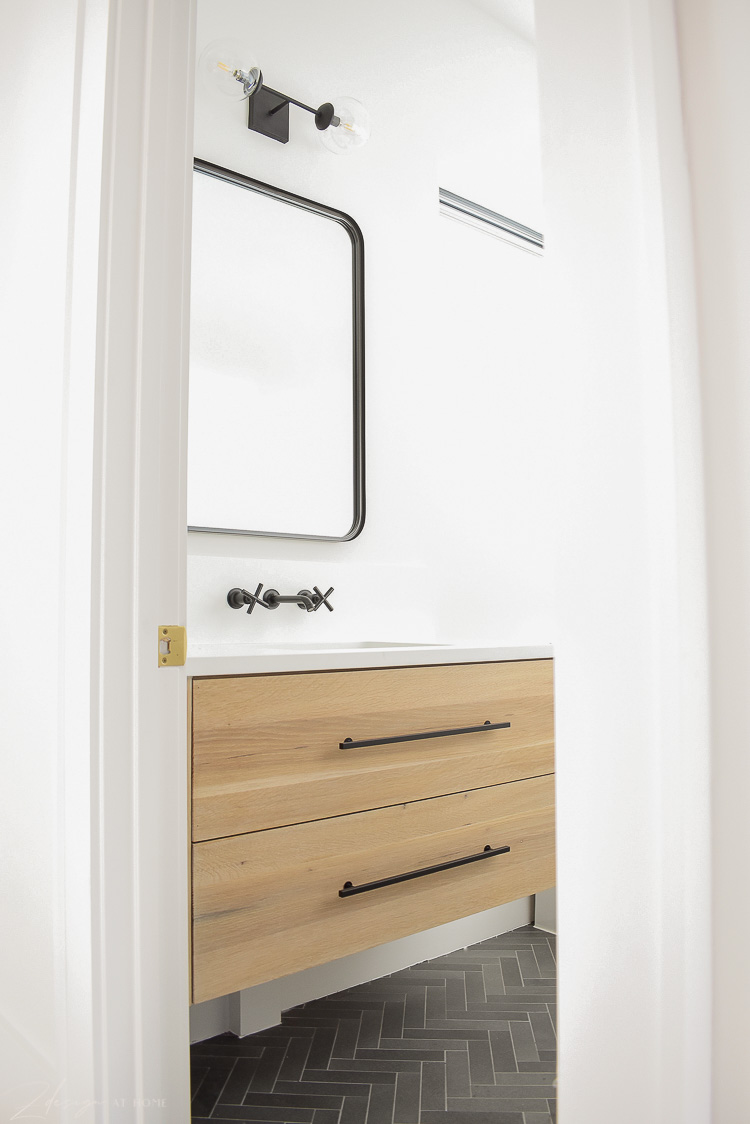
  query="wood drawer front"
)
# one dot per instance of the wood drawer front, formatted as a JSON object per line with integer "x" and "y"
{"x": 266, "y": 747}
{"x": 267, "y": 904}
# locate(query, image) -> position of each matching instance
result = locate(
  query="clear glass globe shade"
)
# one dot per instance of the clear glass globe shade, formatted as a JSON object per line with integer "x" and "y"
{"x": 227, "y": 69}
{"x": 353, "y": 131}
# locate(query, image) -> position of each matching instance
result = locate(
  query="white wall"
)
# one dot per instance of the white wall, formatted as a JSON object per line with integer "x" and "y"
{"x": 49, "y": 196}
{"x": 629, "y": 634}
{"x": 714, "y": 37}
{"x": 451, "y": 321}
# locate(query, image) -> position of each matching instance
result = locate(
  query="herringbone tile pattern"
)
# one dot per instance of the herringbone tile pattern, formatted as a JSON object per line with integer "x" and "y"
{"x": 468, "y": 1038}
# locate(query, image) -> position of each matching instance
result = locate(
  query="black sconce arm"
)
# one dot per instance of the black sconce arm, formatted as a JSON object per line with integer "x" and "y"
{"x": 324, "y": 115}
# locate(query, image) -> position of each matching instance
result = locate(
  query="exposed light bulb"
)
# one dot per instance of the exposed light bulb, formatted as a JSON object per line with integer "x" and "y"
{"x": 353, "y": 129}
{"x": 228, "y": 69}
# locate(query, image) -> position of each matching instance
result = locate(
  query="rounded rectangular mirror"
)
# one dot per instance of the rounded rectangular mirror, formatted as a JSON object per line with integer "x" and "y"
{"x": 276, "y": 414}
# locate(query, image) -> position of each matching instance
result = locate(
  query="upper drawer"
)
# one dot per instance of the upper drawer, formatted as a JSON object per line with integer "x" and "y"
{"x": 266, "y": 748}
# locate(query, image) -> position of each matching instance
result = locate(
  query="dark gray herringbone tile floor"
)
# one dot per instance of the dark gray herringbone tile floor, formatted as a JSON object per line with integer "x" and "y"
{"x": 468, "y": 1038}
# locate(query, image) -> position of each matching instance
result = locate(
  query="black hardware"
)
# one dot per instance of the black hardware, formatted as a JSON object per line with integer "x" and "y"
{"x": 325, "y": 115}
{"x": 273, "y": 599}
{"x": 226, "y": 175}
{"x": 268, "y": 113}
{"x": 320, "y": 598}
{"x": 488, "y": 853}
{"x": 237, "y": 599}
{"x": 347, "y": 743}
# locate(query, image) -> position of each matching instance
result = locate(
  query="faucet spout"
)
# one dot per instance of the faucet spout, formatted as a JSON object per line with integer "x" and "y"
{"x": 272, "y": 598}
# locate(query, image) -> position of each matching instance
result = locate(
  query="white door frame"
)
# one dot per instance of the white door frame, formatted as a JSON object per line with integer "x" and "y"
{"x": 139, "y": 757}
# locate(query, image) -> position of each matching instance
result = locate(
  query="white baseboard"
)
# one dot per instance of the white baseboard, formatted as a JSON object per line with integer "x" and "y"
{"x": 256, "y": 1008}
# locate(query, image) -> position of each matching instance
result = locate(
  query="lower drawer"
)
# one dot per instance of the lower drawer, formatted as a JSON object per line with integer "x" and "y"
{"x": 267, "y": 903}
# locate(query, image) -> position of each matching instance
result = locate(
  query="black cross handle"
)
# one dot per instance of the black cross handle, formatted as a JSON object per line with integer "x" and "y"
{"x": 322, "y": 599}
{"x": 237, "y": 598}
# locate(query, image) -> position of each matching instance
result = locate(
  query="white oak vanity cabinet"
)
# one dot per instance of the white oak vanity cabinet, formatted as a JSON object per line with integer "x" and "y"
{"x": 315, "y": 793}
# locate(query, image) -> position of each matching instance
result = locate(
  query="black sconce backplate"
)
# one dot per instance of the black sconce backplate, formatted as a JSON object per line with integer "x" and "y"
{"x": 268, "y": 113}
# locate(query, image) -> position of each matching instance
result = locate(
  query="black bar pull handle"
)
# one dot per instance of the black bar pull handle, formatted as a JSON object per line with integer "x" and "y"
{"x": 488, "y": 853}
{"x": 347, "y": 743}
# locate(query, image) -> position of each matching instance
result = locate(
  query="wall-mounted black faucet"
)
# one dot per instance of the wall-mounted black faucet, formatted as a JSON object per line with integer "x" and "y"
{"x": 309, "y": 600}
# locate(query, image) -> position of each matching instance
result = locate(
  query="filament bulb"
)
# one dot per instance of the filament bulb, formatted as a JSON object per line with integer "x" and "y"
{"x": 353, "y": 129}
{"x": 227, "y": 69}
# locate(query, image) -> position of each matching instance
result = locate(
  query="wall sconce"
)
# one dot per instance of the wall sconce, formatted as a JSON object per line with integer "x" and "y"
{"x": 228, "y": 69}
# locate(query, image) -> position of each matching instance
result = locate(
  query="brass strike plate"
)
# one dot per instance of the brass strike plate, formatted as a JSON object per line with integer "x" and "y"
{"x": 172, "y": 645}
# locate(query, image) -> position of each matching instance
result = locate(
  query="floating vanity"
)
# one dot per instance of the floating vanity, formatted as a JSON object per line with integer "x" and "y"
{"x": 345, "y": 797}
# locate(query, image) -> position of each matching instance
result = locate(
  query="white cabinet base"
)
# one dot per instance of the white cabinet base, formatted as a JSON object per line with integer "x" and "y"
{"x": 545, "y": 910}
{"x": 256, "y": 1008}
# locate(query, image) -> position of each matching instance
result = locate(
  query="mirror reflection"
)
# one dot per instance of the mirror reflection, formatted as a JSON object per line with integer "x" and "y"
{"x": 276, "y": 363}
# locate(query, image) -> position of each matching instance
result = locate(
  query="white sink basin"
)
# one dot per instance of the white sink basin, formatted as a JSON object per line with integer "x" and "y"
{"x": 253, "y": 659}
{"x": 342, "y": 646}
{"x": 219, "y": 651}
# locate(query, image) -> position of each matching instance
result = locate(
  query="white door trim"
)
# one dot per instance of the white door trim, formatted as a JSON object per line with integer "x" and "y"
{"x": 139, "y": 769}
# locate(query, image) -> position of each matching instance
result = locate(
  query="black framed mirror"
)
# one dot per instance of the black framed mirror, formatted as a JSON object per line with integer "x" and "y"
{"x": 276, "y": 438}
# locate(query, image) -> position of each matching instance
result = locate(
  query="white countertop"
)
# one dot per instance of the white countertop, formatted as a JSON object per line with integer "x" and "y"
{"x": 259, "y": 660}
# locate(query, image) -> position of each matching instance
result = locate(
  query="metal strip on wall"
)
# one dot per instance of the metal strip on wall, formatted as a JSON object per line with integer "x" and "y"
{"x": 464, "y": 210}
